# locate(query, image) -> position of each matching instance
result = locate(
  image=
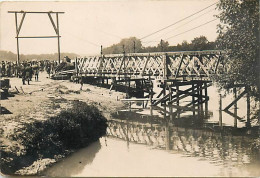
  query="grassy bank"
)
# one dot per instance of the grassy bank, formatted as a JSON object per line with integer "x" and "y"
{"x": 52, "y": 139}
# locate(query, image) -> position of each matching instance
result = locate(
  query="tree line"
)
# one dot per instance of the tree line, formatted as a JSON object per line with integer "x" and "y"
{"x": 133, "y": 44}
{"x": 10, "y": 56}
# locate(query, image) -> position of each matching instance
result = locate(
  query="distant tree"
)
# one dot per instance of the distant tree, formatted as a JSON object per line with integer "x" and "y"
{"x": 128, "y": 43}
{"x": 9, "y": 56}
{"x": 163, "y": 46}
{"x": 199, "y": 43}
{"x": 238, "y": 33}
{"x": 185, "y": 46}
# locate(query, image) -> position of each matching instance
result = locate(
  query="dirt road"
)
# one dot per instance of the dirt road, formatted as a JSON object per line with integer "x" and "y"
{"x": 45, "y": 98}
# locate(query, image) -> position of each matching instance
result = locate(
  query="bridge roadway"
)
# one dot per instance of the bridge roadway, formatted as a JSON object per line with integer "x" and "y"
{"x": 162, "y": 65}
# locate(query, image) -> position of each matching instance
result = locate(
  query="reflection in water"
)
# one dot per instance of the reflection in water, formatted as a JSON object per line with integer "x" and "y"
{"x": 75, "y": 163}
{"x": 198, "y": 140}
{"x": 191, "y": 136}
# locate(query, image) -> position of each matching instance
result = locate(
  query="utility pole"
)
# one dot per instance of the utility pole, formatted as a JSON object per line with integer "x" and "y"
{"x": 134, "y": 46}
{"x": 161, "y": 46}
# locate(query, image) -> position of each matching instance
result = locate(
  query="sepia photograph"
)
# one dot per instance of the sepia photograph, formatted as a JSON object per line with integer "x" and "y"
{"x": 130, "y": 88}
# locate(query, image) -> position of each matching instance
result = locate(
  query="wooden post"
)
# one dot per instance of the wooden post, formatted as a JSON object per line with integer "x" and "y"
{"x": 170, "y": 106}
{"x": 235, "y": 107}
{"x": 206, "y": 103}
{"x": 161, "y": 46}
{"x": 193, "y": 100}
{"x": 58, "y": 35}
{"x": 164, "y": 90}
{"x": 167, "y": 135}
{"x": 17, "y": 40}
{"x": 151, "y": 100}
{"x": 220, "y": 110}
{"x": 130, "y": 105}
{"x": 192, "y": 86}
{"x": 165, "y": 62}
{"x": 178, "y": 101}
{"x": 248, "y": 123}
{"x": 198, "y": 99}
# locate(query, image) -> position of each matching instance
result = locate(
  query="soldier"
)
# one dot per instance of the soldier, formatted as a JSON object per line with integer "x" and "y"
{"x": 49, "y": 70}
{"x": 36, "y": 73}
{"x": 23, "y": 75}
{"x": 28, "y": 74}
{"x": 3, "y": 68}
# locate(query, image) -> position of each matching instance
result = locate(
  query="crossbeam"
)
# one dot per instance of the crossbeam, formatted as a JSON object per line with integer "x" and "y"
{"x": 36, "y": 12}
{"x": 233, "y": 102}
{"x": 190, "y": 93}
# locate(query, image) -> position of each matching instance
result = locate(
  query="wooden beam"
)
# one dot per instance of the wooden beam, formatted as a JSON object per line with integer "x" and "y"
{"x": 233, "y": 102}
{"x": 21, "y": 23}
{"x": 146, "y": 62}
{"x": 189, "y": 94}
{"x": 38, "y": 37}
{"x": 53, "y": 24}
{"x": 179, "y": 67}
{"x": 35, "y": 12}
{"x": 234, "y": 115}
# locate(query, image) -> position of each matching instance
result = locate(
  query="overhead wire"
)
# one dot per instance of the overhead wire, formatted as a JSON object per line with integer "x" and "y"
{"x": 180, "y": 26}
{"x": 192, "y": 29}
{"x": 90, "y": 42}
{"x": 177, "y": 21}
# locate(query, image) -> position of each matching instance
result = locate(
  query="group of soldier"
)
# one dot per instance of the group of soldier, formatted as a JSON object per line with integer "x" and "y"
{"x": 26, "y": 69}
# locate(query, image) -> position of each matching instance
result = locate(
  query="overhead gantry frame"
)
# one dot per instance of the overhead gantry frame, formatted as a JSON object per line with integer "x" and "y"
{"x": 19, "y": 26}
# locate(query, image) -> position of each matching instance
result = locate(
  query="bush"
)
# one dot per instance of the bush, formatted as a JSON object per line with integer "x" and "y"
{"x": 73, "y": 128}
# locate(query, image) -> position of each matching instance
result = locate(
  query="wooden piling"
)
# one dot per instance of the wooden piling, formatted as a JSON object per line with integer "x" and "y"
{"x": 206, "y": 101}
{"x": 248, "y": 123}
{"x": 178, "y": 102}
{"x": 167, "y": 135}
{"x": 220, "y": 111}
{"x": 235, "y": 106}
{"x": 170, "y": 106}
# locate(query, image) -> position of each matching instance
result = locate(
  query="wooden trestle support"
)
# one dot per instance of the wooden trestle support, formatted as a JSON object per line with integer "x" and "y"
{"x": 135, "y": 73}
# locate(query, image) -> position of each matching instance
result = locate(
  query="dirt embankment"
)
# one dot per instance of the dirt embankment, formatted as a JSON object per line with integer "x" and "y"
{"x": 40, "y": 101}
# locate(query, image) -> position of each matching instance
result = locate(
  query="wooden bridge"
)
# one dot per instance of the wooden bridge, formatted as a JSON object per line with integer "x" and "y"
{"x": 170, "y": 65}
{"x": 179, "y": 74}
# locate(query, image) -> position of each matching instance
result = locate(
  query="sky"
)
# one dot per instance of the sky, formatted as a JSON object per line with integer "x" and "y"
{"x": 86, "y": 25}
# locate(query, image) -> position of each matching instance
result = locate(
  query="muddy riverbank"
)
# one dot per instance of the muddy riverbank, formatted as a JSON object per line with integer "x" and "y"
{"x": 38, "y": 102}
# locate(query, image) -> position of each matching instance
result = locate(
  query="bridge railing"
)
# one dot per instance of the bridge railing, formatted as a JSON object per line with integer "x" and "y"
{"x": 166, "y": 65}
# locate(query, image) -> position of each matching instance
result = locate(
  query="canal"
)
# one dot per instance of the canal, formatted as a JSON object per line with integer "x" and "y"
{"x": 169, "y": 141}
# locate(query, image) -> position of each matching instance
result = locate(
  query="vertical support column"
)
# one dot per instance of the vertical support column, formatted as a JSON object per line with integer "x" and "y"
{"x": 177, "y": 102}
{"x": 206, "y": 103}
{"x": 193, "y": 99}
{"x": 167, "y": 135}
{"x": 17, "y": 40}
{"x": 164, "y": 91}
{"x": 170, "y": 105}
{"x": 201, "y": 100}
{"x": 248, "y": 123}
{"x": 220, "y": 111}
{"x": 235, "y": 107}
{"x": 165, "y": 61}
{"x": 151, "y": 98}
{"x": 58, "y": 34}
{"x": 198, "y": 98}
{"x": 192, "y": 86}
